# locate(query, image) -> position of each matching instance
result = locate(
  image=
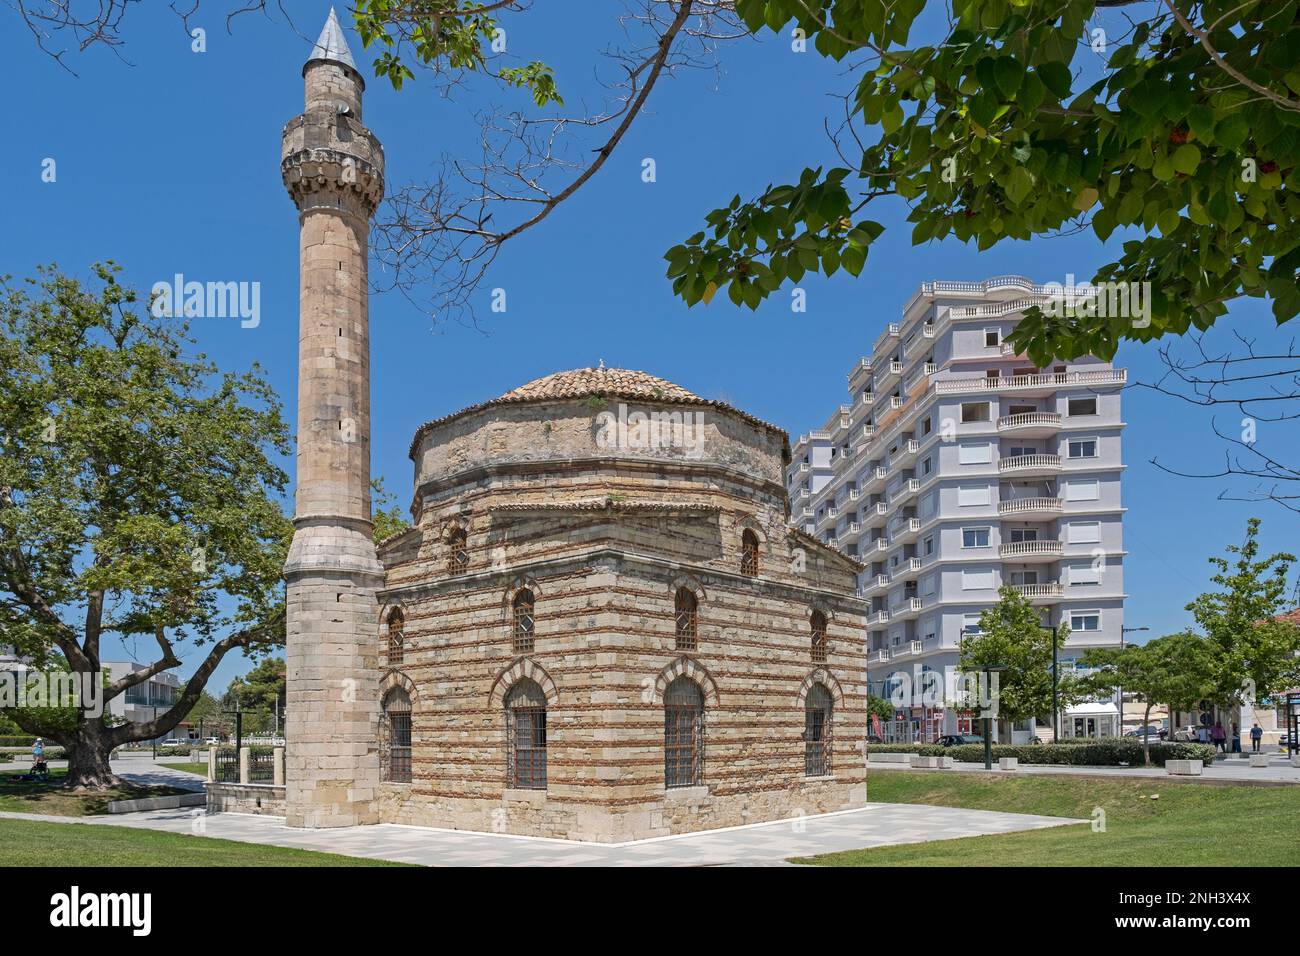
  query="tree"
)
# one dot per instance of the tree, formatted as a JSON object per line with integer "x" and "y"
{"x": 1254, "y": 653}
{"x": 207, "y": 711}
{"x": 138, "y": 497}
{"x": 1012, "y": 636}
{"x": 879, "y": 707}
{"x": 1188, "y": 134}
{"x": 260, "y": 694}
{"x": 1175, "y": 670}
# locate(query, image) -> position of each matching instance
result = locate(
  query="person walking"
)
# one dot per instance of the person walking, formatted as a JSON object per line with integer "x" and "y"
{"x": 1236, "y": 738}
{"x": 1219, "y": 737}
{"x": 1256, "y": 735}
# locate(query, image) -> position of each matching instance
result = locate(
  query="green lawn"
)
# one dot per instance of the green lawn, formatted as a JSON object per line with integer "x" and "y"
{"x": 36, "y": 843}
{"x": 200, "y": 768}
{"x": 1188, "y": 825}
{"x": 17, "y": 796}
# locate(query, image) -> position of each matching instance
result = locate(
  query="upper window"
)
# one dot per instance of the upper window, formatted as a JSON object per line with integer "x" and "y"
{"x": 974, "y": 537}
{"x": 1082, "y": 406}
{"x": 396, "y": 637}
{"x": 818, "y": 637}
{"x": 1085, "y": 620}
{"x": 683, "y": 734}
{"x": 974, "y": 411}
{"x": 395, "y": 761}
{"x": 457, "y": 551}
{"x": 524, "y": 622}
{"x": 1083, "y": 448}
{"x": 817, "y": 731}
{"x": 748, "y": 552}
{"x": 526, "y": 736}
{"x": 992, "y": 338}
{"x": 687, "y": 607}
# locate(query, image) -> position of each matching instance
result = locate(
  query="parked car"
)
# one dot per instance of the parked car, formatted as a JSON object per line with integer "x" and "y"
{"x": 212, "y": 740}
{"x": 1150, "y": 732}
{"x": 958, "y": 740}
{"x": 174, "y": 742}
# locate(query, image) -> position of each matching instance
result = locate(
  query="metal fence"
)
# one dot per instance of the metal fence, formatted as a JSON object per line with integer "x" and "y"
{"x": 227, "y": 765}
{"x": 261, "y": 765}
{"x": 911, "y": 731}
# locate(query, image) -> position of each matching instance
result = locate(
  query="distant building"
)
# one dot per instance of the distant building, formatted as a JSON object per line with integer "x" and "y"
{"x": 958, "y": 466}
{"x": 141, "y": 703}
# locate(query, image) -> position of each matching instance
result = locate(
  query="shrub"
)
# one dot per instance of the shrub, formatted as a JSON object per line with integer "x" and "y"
{"x": 6, "y": 758}
{"x": 18, "y": 741}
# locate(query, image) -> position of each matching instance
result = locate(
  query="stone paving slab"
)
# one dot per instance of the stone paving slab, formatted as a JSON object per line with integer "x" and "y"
{"x": 878, "y": 824}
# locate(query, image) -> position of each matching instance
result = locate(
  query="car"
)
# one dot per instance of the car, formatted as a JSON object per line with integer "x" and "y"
{"x": 1150, "y": 732}
{"x": 173, "y": 742}
{"x": 212, "y": 740}
{"x": 959, "y": 740}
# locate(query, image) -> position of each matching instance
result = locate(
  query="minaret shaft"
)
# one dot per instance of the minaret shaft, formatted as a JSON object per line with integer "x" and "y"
{"x": 333, "y": 169}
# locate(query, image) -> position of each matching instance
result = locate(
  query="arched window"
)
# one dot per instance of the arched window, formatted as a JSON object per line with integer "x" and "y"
{"x": 818, "y": 637}
{"x": 817, "y": 731}
{"x": 523, "y": 622}
{"x": 396, "y": 637}
{"x": 395, "y": 745}
{"x": 749, "y": 552}
{"x": 683, "y": 734}
{"x": 457, "y": 551}
{"x": 526, "y": 737}
{"x": 687, "y": 609}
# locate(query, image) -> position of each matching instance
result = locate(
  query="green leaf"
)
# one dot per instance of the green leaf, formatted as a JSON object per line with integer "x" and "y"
{"x": 1186, "y": 158}
{"x": 1007, "y": 74}
{"x": 1019, "y": 184}
{"x": 1056, "y": 77}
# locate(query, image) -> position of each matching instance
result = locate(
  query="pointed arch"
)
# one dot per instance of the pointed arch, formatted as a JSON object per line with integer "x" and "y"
{"x": 397, "y": 680}
{"x": 686, "y": 667}
{"x": 821, "y": 675}
{"x": 524, "y": 668}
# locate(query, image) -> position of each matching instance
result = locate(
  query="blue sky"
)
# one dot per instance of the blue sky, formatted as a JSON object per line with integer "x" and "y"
{"x": 169, "y": 163}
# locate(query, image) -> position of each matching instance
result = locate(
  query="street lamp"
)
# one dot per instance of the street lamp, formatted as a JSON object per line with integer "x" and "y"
{"x": 988, "y": 737}
{"x": 1056, "y": 668}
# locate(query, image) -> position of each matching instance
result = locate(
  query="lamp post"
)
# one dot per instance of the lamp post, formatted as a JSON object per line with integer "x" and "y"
{"x": 988, "y": 737}
{"x": 1056, "y": 680}
{"x": 1119, "y": 688}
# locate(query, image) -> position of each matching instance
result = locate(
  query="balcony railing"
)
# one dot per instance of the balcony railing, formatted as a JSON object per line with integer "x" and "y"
{"x": 1020, "y": 549}
{"x": 1032, "y": 591}
{"x": 1017, "y": 506}
{"x": 1030, "y": 463}
{"x": 881, "y": 655}
{"x": 1029, "y": 420}
{"x": 1117, "y": 376}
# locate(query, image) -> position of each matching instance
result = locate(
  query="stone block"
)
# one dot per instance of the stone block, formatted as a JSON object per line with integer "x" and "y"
{"x": 903, "y": 758}
{"x": 1184, "y": 768}
{"x": 1008, "y": 763}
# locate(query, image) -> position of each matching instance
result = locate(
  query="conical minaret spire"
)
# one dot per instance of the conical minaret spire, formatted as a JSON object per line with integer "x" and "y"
{"x": 332, "y": 45}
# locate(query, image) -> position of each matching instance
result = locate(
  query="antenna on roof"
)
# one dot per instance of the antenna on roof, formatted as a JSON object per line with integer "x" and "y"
{"x": 602, "y": 363}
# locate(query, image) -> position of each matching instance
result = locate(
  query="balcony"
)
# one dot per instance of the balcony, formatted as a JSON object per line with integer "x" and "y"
{"x": 1030, "y": 424}
{"x": 1049, "y": 593}
{"x": 877, "y": 581}
{"x": 895, "y": 401}
{"x": 929, "y": 368}
{"x": 914, "y": 564}
{"x": 880, "y": 656}
{"x": 852, "y": 531}
{"x": 1020, "y": 383}
{"x": 928, "y": 330}
{"x": 1030, "y": 507}
{"x": 1030, "y": 465}
{"x": 854, "y": 494}
{"x": 904, "y": 490}
{"x": 903, "y": 529}
{"x": 906, "y": 452}
{"x": 908, "y": 608}
{"x": 880, "y": 544}
{"x": 805, "y": 493}
{"x": 1030, "y": 551}
{"x": 878, "y": 617}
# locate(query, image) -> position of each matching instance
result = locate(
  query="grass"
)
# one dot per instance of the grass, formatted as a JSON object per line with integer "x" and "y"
{"x": 18, "y": 796}
{"x": 36, "y": 843}
{"x": 1188, "y": 825}
{"x": 200, "y": 768}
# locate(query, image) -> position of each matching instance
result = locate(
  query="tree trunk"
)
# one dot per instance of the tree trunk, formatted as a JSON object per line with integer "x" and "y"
{"x": 88, "y": 748}
{"x": 1146, "y": 738}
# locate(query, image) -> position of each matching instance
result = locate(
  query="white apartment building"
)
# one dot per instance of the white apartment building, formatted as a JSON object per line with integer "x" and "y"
{"x": 956, "y": 467}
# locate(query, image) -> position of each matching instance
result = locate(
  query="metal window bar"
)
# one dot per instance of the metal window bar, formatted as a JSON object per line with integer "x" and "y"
{"x": 227, "y": 765}
{"x": 683, "y": 734}
{"x": 528, "y": 748}
{"x": 399, "y": 748}
{"x": 458, "y": 552}
{"x": 818, "y": 638}
{"x": 749, "y": 554}
{"x": 261, "y": 765}
{"x": 687, "y": 620}
{"x": 525, "y": 622}
{"x": 817, "y": 732}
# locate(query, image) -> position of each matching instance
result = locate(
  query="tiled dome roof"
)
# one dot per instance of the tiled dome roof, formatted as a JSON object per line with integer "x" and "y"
{"x": 599, "y": 381}
{"x": 619, "y": 382}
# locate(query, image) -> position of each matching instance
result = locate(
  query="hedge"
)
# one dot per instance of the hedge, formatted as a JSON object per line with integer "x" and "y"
{"x": 25, "y": 741}
{"x": 1110, "y": 752}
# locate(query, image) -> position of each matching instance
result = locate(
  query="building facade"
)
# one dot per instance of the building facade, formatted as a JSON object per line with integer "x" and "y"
{"x": 957, "y": 467}
{"x": 601, "y": 627}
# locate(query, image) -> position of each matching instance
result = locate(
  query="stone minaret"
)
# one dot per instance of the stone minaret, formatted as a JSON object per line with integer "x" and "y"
{"x": 333, "y": 168}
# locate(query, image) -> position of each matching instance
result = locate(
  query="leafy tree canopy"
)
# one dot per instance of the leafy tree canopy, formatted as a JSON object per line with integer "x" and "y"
{"x": 1185, "y": 134}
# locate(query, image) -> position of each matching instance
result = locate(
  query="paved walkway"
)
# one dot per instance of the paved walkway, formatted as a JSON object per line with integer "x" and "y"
{"x": 1230, "y": 770}
{"x": 878, "y": 824}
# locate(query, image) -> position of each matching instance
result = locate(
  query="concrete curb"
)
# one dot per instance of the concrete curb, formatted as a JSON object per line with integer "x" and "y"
{"x": 173, "y": 802}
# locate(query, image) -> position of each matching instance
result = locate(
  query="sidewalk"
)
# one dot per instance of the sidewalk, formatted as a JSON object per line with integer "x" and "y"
{"x": 1223, "y": 770}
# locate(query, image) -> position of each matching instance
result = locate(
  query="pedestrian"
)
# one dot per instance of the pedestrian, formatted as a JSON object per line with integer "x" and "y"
{"x": 1256, "y": 735}
{"x": 1219, "y": 737}
{"x": 1236, "y": 738}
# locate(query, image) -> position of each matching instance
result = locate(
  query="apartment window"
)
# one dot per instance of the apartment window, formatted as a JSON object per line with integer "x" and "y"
{"x": 926, "y": 466}
{"x": 1082, "y": 406}
{"x": 992, "y": 338}
{"x": 974, "y": 537}
{"x": 1083, "y": 448}
{"x": 1021, "y": 578}
{"x": 1023, "y": 534}
{"x": 976, "y": 580}
{"x": 970, "y": 624}
{"x": 1016, "y": 451}
{"x": 974, "y": 411}
{"x": 1082, "y": 490}
{"x": 1085, "y": 620}
{"x": 928, "y": 545}
{"x": 928, "y": 584}
{"x": 1084, "y": 574}
{"x": 973, "y": 495}
{"x": 981, "y": 454}
{"x": 1083, "y": 532}
{"x": 926, "y": 426}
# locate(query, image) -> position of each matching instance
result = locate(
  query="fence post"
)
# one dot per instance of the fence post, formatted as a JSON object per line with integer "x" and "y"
{"x": 245, "y": 764}
{"x": 212, "y": 764}
{"x": 279, "y": 766}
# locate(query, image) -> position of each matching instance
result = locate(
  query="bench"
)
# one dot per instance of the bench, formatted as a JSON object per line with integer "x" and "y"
{"x": 889, "y": 758}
